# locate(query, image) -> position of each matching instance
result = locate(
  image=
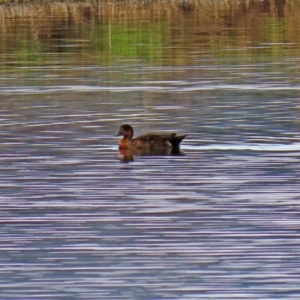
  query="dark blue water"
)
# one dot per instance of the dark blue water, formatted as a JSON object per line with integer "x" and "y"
{"x": 220, "y": 222}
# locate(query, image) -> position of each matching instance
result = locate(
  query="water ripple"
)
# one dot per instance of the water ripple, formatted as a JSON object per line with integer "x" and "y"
{"x": 219, "y": 222}
{"x": 175, "y": 87}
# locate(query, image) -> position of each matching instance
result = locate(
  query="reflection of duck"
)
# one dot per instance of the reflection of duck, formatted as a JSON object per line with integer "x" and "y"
{"x": 127, "y": 155}
{"x": 152, "y": 143}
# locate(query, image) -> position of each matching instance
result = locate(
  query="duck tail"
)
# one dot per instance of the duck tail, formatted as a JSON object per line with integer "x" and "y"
{"x": 176, "y": 140}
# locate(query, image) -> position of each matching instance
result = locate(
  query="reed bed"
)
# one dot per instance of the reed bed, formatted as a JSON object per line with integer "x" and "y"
{"x": 209, "y": 12}
{"x": 81, "y": 11}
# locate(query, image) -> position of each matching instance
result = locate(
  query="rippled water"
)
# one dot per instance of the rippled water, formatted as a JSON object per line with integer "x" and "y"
{"x": 220, "y": 222}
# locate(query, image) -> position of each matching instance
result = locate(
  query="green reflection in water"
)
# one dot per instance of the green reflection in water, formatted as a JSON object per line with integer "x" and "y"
{"x": 104, "y": 42}
{"x": 134, "y": 41}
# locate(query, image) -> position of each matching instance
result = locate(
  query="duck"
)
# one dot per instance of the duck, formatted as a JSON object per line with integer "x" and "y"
{"x": 149, "y": 142}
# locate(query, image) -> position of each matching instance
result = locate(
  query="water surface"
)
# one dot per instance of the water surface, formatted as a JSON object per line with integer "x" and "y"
{"x": 220, "y": 222}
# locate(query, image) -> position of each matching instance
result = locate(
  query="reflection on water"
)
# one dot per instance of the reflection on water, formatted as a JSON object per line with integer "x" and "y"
{"x": 127, "y": 155}
{"x": 219, "y": 222}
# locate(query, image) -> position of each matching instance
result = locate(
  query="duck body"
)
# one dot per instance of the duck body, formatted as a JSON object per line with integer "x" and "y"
{"x": 149, "y": 141}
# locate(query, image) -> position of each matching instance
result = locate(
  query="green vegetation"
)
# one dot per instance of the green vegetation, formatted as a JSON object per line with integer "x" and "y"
{"x": 44, "y": 32}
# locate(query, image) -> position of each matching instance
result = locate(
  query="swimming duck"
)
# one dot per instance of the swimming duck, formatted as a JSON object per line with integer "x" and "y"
{"x": 151, "y": 140}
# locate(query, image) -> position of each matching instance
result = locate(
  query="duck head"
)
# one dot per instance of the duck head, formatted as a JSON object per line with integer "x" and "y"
{"x": 126, "y": 131}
